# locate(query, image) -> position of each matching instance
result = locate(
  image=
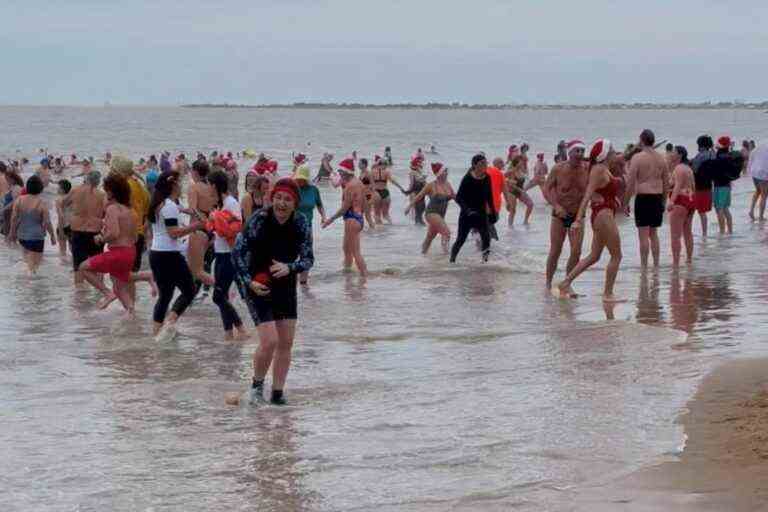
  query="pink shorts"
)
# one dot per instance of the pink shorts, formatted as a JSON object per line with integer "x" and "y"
{"x": 117, "y": 262}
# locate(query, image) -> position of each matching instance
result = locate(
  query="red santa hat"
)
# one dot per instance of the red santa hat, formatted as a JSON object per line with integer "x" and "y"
{"x": 724, "y": 142}
{"x": 575, "y": 144}
{"x": 299, "y": 159}
{"x": 347, "y": 166}
{"x": 600, "y": 150}
{"x": 417, "y": 161}
{"x": 438, "y": 167}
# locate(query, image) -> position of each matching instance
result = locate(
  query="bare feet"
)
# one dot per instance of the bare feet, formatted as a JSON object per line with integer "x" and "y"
{"x": 106, "y": 300}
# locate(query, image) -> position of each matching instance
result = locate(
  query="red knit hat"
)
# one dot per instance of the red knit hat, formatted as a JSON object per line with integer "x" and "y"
{"x": 724, "y": 142}
{"x": 288, "y": 186}
{"x": 300, "y": 159}
{"x": 347, "y": 166}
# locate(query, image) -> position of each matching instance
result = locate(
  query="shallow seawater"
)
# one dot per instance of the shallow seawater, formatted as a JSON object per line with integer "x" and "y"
{"x": 429, "y": 387}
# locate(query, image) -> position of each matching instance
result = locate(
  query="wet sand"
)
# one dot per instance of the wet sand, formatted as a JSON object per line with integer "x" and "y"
{"x": 724, "y": 465}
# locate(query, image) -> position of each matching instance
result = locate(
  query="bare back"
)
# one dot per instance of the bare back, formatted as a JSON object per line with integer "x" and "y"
{"x": 120, "y": 224}
{"x": 648, "y": 170}
{"x": 88, "y": 206}
{"x": 354, "y": 195}
{"x": 202, "y": 197}
{"x": 683, "y": 181}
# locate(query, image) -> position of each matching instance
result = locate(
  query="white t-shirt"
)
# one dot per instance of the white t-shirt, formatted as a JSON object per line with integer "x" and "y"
{"x": 161, "y": 240}
{"x": 220, "y": 245}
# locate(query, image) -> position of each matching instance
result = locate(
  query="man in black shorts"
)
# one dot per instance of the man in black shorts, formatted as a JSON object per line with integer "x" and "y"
{"x": 87, "y": 203}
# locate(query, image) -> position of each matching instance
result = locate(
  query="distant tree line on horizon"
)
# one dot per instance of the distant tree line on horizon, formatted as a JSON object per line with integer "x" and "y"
{"x": 490, "y": 106}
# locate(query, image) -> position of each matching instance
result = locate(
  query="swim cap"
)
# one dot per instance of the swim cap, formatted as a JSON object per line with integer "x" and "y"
{"x": 288, "y": 186}
{"x": 600, "y": 150}
{"x": 347, "y": 166}
{"x": 302, "y": 173}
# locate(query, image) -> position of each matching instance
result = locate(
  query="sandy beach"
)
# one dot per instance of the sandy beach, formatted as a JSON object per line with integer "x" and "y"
{"x": 724, "y": 465}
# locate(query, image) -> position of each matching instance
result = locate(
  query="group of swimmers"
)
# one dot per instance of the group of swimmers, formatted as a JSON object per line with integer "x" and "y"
{"x": 262, "y": 241}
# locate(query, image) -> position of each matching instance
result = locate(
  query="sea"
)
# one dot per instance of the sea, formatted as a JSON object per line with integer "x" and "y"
{"x": 427, "y": 387}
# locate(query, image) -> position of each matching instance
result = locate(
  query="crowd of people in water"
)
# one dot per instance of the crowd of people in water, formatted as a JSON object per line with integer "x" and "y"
{"x": 201, "y": 232}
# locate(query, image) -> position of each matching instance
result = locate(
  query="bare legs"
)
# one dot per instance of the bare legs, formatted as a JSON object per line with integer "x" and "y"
{"x": 606, "y": 235}
{"x": 437, "y": 226}
{"x": 725, "y": 220}
{"x": 681, "y": 229}
{"x": 33, "y": 260}
{"x": 351, "y": 246}
{"x": 198, "y": 245}
{"x": 557, "y": 234}
{"x": 275, "y": 345}
{"x": 703, "y": 219}
{"x": 649, "y": 242}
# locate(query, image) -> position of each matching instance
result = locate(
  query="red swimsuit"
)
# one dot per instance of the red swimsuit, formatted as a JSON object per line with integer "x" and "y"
{"x": 684, "y": 201}
{"x": 610, "y": 200}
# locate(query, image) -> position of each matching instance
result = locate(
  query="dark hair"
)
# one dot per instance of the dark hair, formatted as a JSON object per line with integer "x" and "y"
{"x": 669, "y": 146}
{"x": 680, "y": 150}
{"x": 65, "y": 186}
{"x": 745, "y": 144}
{"x": 3, "y": 167}
{"x": 163, "y": 190}
{"x": 647, "y": 137}
{"x": 117, "y": 186}
{"x": 14, "y": 177}
{"x": 152, "y": 159}
{"x": 363, "y": 162}
{"x": 220, "y": 183}
{"x": 705, "y": 142}
{"x": 34, "y": 185}
{"x": 202, "y": 169}
{"x": 477, "y": 159}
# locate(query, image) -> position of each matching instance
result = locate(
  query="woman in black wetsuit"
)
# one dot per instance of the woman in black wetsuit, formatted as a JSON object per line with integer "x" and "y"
{"x": 476, "y": 202}
{"x": 274, "y": 248}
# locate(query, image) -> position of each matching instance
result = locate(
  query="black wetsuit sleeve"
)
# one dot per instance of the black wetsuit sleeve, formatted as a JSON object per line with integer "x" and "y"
{"x": 489, "y": 195}
{"x": 306, "y": 256}
{"x": 461, "y": 195}
{"x": 242, "y": 253}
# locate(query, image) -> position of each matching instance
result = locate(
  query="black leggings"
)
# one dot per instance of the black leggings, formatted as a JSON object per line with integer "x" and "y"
{"x": 224, "y": 274}
{"x": 467, "y": 223}
{"x": 171, "y": 271}
{"x": 419, "y": 208}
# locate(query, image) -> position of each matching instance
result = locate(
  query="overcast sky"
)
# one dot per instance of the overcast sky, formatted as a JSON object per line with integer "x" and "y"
{"x": 482, "y": 51}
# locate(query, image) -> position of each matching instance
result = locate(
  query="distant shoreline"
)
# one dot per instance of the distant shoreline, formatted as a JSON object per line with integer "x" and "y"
{"x": 480, "y": 106}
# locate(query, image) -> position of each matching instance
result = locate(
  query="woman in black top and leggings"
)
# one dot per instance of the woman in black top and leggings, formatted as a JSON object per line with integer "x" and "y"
{"x": 476, "y": 202}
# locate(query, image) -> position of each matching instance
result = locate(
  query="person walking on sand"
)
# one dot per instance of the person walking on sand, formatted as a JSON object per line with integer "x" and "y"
{"x": 352, "y": 209}
{"x": 602, "y": 195}
{"x": 648, "y": 181}
{"x": 564, "y": 191}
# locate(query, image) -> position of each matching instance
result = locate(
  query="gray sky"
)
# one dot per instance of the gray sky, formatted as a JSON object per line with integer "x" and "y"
{"x": 484, "y": 51}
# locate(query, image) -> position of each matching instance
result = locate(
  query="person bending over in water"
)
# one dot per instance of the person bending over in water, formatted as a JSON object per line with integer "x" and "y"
{"x": 564, "y": 190}
{"x": 648, "y": 178}
{"x": 603, "y": 197}
{"x": 352, "y": 208}
{"x": 169, "y": 267}
{"x": 381, "y": 178}
{"x": 681, "y": 205}
{"x": 119, "y": 232}
{"x": 440, "y": 192}
{"x": 29, "y": 222}
{"x": 476, "y": 202}
{"x": 274, "y": 248}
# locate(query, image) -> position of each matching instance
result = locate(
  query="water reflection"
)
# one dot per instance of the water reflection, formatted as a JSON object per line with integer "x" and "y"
{"x": 649, "y": 309}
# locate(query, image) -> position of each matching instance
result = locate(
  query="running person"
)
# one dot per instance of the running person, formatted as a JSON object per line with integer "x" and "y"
{"x": 564, "y": 190}
{"x": 540, "y": 171}
{"x": 476, "y": 202}
{"x": 275, "y": 246}
{"x": 516, "y": 186}
{"x": 648, "y": 180}
{"x": 227, "y": 214}
{"x": 440, "y": 193}
{"x": 119, "y": 231}
{"x": 602, "y": 195}
{"x": 681, "y": 205}
{"x": 169, "y": 268}
{"x": 87, "y": 204}
{"x": 29, "y": 222}
{"x": 352, "y": 208}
